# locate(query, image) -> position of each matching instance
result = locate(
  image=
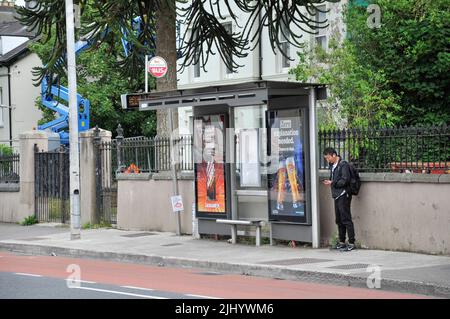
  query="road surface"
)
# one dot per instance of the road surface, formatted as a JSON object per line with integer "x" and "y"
{"x": 49, "y": 277}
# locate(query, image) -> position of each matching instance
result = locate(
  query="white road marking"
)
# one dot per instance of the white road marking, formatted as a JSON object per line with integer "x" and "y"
{"x": 82, "y": 281}
{"x": 200, "y": 296}
{"x": 120, "y": 293}
{"x": 24, "y": 274}
{"x": 137, "y": 288}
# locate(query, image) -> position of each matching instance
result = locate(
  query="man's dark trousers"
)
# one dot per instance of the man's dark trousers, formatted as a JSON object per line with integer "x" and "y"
{"x": 344, "y": 218}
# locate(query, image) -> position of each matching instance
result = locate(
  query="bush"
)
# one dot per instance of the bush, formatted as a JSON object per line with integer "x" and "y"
{"x": 5, "y": 150}
{"x": 30, "y": 220}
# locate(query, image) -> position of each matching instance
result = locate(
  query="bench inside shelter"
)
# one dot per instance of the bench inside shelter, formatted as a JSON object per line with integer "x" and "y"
{"x": 234, "y": 223}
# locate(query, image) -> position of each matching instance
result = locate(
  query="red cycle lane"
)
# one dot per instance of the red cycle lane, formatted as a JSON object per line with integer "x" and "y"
{"x": 186, "y": 280}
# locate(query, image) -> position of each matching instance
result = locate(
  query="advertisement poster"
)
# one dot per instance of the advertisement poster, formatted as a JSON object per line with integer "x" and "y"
{"x": 209, "y": 165}
{"x": 287, "y": 182}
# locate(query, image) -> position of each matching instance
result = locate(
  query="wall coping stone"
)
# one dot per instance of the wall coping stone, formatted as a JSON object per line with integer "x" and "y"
{"x": 444, "y": 178}
{"x": 9, "y": 187}
{"x": 166, "y": 175}
{"x": 90, "y": 133}
{"x": 397, "y": 177}
{"x": 134, "y": 177}
{"x": 31, "y": 135}
{"x": 323, "y": 174}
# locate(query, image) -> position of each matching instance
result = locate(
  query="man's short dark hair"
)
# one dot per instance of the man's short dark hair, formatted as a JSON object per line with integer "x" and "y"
{"x": 329, "y": 151}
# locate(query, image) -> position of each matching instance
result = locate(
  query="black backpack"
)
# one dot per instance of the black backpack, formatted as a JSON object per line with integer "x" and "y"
{"x": 355, "y": 181}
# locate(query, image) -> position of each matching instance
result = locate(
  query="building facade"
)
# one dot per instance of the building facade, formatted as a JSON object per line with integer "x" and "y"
{"x": 18, "y": 94}
{"x": 262, "y": 63}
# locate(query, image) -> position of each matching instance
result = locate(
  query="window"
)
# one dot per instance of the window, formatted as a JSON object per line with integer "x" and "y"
{"x": 197, "y": 56}
{"x": 320, "y": 17}
{"x": 285, "y": 46}
{"x": 197, "y": 70}
{"x": 229, "y": 28}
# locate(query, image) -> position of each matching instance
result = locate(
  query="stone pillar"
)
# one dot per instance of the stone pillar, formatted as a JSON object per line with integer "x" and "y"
{"x": 89, "y": 172}
{"x": 26, "y": 144}
{"x": 87, "y": 177}
{"x": 107, "y": 154}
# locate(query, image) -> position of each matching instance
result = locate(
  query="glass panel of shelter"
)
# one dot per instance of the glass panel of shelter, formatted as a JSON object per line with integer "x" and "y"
{"x": 250, "y": 150}
{"x": 250, "y": 147}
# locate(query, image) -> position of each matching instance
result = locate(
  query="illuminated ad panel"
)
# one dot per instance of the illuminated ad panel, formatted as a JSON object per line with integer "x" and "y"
{"x": 286, "y": 179}
{"x": 210, "y": 166}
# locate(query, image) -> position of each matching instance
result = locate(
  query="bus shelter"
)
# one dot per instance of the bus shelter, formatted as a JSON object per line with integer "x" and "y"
{"x": 255, "y": 154}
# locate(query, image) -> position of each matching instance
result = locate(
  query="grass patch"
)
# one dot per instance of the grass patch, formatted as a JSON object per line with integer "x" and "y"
{"x": 102, "y": 224}
{"x": 334, "y": 240}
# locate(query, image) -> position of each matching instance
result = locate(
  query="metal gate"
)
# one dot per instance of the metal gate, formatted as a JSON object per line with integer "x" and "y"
{"x": 51, "y": 184}
{"x": 105, "y": 179}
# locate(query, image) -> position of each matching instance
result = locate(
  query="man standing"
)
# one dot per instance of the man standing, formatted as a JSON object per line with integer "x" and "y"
{"x": 340, "y": 191}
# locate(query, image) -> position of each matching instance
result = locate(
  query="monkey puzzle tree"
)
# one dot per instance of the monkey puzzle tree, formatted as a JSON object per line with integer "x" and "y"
{"x": 108, "y": 21}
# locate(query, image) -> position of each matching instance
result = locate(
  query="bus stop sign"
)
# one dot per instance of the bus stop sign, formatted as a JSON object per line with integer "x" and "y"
{"x": 157, "y": 67}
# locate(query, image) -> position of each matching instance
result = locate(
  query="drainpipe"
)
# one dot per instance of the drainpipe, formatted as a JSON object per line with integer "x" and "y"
{"x": 10, "y": 106}
{"x": 260, "y": 49}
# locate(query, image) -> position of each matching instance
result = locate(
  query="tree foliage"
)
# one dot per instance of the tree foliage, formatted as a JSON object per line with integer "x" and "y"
{"x": 109, "y": 20}
{"x": 395, "y": 74}
{"x": 358, "y": 96}
{"x": 101, "y": 82}
{"x": 102, "y": 22}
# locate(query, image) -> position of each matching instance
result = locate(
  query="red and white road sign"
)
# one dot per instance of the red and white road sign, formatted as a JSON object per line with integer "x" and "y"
{"x": 157, "y": 67}
{"x": 177, "y": 203}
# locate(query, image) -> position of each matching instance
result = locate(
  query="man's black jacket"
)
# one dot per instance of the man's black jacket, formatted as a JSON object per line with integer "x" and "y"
{"x": 340, "y": 180}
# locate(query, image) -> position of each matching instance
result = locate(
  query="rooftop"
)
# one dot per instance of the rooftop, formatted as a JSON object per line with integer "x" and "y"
{"x": 14, "y": 54}
{"x": 9, "y": 26}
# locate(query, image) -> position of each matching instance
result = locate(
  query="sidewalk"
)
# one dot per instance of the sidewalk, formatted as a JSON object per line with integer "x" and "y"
{"x": 403, "y": 272}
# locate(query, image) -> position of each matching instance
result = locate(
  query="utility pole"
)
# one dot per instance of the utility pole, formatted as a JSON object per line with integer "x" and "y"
{"x": 174, "y": 169}
{"x": 146, "y": 74}
{"x": 73, "y": 125}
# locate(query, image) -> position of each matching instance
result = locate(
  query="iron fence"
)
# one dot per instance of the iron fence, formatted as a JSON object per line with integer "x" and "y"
{"x": 51, "y": 185}
{"x": 106, "y": 183}
{"x": 402, "y": 149}
{"x": 152, "y": 154}
{"x": 9, "y": 168}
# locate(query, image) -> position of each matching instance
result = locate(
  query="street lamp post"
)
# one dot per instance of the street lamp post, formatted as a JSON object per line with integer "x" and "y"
{"x": 73, "y": 125}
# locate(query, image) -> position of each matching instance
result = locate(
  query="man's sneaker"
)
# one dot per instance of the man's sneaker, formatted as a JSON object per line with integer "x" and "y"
{"x": 349, "y": 247}
{"x": 341, "y": 246}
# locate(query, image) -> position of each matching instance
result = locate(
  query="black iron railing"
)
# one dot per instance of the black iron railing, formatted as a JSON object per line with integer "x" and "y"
{"x": 51, "y": 185}
{"x": 403, "y": 149}
{"x": 152, "y": 154}
{"x": 105, "y": 180}
{"x": 9, "y": 168}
